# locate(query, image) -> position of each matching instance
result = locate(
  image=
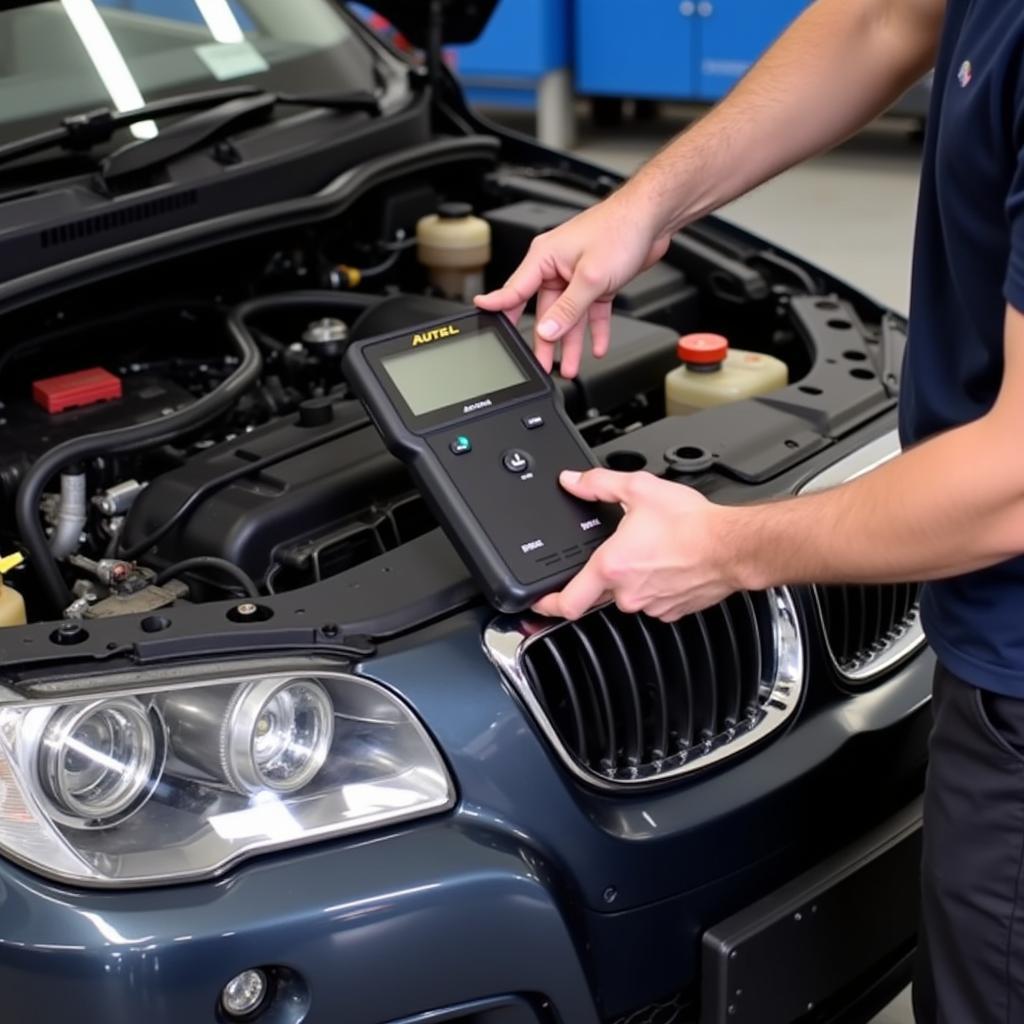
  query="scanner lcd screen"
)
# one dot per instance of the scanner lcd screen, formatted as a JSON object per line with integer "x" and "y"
{"x": 448, "y": 372}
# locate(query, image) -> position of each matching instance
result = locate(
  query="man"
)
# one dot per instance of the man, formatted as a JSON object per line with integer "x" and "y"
{"x": 949, "y": 510}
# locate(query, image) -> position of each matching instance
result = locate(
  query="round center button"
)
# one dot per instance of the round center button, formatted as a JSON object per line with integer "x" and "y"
{"x": 515, "y": 460}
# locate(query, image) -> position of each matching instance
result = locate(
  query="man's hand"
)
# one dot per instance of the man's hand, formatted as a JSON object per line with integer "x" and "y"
{"x": 666, "y": 558}
{"x": 575, "y": 271}
{"x": 948, "y": 506}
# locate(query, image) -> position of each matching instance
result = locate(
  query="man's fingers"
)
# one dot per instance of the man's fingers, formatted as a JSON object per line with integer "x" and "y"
{"x": 515, "y": 312}
{"x": 517, "y": 290}
{"x": 572, "y": 350}
{"x": 598, "y": 484}
{"x": 600, "y": 327}
{"x": 583, "y": 592}
{"x": 545, "y": 350}
{"x": 584, "y": 289}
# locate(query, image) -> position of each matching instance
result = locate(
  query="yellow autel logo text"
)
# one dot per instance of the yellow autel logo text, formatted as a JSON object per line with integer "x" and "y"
{"x": 438, "y": 332}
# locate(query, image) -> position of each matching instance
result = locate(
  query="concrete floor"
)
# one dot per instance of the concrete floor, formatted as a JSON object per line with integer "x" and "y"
{"x": 850, "y": 212}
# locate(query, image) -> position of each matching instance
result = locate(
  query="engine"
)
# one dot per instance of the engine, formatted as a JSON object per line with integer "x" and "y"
{"x": 201, "y": 443}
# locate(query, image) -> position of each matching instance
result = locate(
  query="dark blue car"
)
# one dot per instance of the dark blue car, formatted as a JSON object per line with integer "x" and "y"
{"x": 265, "y": 754}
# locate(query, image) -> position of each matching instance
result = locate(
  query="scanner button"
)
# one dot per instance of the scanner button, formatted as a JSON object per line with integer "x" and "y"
{"x": 533, "y": 422}
{"x": 461, "y": 445}
{"x": 516, "y": 461}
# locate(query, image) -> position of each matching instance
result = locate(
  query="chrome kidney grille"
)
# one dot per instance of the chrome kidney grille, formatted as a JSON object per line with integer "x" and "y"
{"x": 625, "y": 699}
{"x": 870, "y": 628}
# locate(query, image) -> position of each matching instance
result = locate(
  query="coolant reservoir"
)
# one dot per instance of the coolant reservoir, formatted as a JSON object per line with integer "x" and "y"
{"x": 715, "y": 374}
{"x": 12, "y": 605}
{"x": 455, "y": 247}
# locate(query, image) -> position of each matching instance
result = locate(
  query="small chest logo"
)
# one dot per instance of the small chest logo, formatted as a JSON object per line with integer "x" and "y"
{"x": 966, "y": 74}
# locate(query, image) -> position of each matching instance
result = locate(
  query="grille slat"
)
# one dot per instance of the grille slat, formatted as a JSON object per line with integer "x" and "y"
{"x": 576, "y": 718}
{"x": 631, "y": 711}
{"x": 602, "y": 694}
{"x": 661, "y": 716}
{"x": 733, "y": 671}
{"x": 683, "y": 704}
{"x": 908, "y": 599}
{"x": 751, "y": 644}
{"x": 631, "y": 699}
{"x": 845, "y": 621}
{"x": 863, "y": 625}
{"x": 705, "y": 676}
{"x": 869, "y": 627}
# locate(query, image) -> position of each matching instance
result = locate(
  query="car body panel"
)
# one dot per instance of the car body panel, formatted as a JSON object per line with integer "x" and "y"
{"x": 463, "y": 912}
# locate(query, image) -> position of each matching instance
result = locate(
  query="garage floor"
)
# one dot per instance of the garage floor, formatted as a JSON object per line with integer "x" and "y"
{"x": 850, "y": 211}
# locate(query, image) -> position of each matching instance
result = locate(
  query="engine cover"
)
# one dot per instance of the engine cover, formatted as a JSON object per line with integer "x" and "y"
{"x": 268, "y": 491}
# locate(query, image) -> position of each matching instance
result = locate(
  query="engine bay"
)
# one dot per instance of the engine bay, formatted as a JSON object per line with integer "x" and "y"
{"x": 182, "y": 432}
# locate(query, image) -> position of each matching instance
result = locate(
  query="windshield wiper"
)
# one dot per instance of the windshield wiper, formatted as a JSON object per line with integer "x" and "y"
{"x": 191, "y": 132}
{"x": 219, "y": 110}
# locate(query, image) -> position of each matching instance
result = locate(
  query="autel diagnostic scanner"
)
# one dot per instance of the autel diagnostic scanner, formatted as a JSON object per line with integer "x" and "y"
{"x": 466, "y": 406}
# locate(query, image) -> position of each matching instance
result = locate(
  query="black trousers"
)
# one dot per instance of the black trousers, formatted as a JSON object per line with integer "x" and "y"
{"x": 971, "y": 959}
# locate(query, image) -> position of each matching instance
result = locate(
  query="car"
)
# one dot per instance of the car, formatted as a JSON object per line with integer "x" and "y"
{"x": 265, "y": 753}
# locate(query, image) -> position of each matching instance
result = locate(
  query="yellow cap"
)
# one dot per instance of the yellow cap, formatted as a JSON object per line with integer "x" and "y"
{"x": 353, "y": 275}
{"x": 11, "y": 562}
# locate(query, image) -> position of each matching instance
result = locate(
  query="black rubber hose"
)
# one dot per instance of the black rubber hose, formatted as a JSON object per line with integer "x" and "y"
{"x": 112, "y": 442}
{"x": 210, "y": 562}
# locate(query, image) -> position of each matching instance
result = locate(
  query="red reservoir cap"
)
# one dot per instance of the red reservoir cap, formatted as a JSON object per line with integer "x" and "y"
{"x": 73, "y": 390}
{"x": 702, "y": 349}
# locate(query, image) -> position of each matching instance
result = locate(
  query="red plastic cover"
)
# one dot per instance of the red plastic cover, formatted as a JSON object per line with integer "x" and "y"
{"x": 72, "y": 390}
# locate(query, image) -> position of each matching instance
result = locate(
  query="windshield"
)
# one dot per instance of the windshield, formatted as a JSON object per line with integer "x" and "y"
{"x": 68, "y": 56}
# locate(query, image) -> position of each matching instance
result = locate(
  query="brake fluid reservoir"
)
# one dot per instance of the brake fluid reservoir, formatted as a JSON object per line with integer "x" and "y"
{"x": 12, "y": 605}
{"x": 455, "y": 247}
{"x": 715, "y": 374}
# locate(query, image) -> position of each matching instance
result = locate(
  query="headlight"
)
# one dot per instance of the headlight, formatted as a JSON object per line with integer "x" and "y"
{"x": 163, "y": 780}
{"x": 268, "y": 734}
{"x": 97, "y": 763}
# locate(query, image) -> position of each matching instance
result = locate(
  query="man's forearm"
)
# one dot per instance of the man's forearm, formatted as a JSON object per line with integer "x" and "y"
{"x": 952, "y": 505}
{"x": 840, "y": 64}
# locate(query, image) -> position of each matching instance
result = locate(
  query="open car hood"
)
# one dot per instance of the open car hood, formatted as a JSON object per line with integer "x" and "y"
{"x": 463, "y": 20}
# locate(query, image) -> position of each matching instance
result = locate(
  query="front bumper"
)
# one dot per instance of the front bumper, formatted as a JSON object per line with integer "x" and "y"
{"x": 441, "y": 923}
{"x": 436, "y": 916}
{"x": 533, "y": 902}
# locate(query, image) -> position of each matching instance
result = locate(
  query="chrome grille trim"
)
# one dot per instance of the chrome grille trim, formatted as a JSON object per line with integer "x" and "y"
{"x": 507, "y": 638}
{"x": 905, "y": 636}
{"x": 904, "y": 639}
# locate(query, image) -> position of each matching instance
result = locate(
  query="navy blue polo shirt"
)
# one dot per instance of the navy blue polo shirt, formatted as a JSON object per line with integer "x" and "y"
{"x": 968, "y": 263}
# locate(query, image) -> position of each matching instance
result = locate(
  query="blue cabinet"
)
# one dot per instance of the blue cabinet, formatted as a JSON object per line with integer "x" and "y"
{"x": 673, "y": 49}
{"x": 645, "y": 48}
{"x": 733, "y": 34}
